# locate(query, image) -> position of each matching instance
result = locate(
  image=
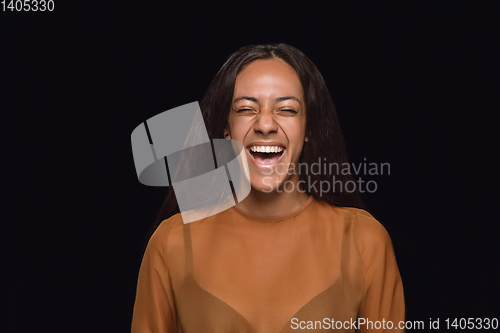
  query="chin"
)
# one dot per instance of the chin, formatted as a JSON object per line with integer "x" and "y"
{"x": 268, "y": 183}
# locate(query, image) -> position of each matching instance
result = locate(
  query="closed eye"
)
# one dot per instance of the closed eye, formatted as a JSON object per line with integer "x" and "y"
{"x": 245, "y": 110}
{"x": 291, "y": 111}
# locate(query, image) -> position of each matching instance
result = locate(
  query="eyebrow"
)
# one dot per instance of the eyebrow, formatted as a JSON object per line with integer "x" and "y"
{"x": 277, "y": 100}
{"x": 248, "y": 98}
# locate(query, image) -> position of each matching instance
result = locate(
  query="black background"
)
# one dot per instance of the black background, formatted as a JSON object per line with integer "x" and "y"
{"x": 413, "y": 85}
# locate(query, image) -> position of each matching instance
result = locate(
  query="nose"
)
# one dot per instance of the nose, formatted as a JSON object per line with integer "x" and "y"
{"x": 265, "y": 123}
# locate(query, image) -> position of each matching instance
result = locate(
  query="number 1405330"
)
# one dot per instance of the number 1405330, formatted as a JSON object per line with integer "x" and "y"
{"x": 28, "y": 5}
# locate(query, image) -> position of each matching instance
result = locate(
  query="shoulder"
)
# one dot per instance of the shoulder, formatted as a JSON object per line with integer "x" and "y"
{"x": 362, "y": 225}
{"x": 369, "y": 233}
{"x": 168, "y": 234}
{"x": 372, "y": 241}
{"x": 166, "y": 227}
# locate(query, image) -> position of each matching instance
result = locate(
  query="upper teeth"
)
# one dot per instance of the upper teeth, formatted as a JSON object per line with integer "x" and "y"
{"x": 266, "y": 149}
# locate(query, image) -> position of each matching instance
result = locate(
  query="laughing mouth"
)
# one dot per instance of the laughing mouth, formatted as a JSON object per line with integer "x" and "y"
{"x": 266, "y": 154}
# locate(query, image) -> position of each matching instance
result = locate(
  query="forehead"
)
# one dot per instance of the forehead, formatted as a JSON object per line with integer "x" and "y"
{"x": 268, "y": 77}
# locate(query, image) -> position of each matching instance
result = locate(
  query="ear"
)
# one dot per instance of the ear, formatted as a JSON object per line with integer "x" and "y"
{"x": 306, "y": 139}
{"x": 226, "y": 133}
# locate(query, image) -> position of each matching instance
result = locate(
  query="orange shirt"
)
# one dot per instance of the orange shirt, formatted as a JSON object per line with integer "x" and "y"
{"x": 318, "y": 268}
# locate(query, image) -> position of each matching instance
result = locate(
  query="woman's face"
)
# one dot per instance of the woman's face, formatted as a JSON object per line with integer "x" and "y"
{"x": 268, "y": 116}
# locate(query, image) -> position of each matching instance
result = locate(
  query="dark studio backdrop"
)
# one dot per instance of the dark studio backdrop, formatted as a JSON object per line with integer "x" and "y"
{"x": 412, "y": 86}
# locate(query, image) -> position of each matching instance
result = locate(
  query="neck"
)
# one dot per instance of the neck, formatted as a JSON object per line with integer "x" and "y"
{"x": 272, "y": 204}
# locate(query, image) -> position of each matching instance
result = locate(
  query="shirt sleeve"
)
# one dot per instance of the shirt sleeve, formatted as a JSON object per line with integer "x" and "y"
{"x": 154, "y": 308}
{"x": 383, "y": 307}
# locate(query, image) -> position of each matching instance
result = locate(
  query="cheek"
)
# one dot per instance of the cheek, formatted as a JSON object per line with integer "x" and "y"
{"x": 295, "y": 131}
{"x": 239, "y": 127}
{"x": 296, "y": 135}
{"x": 236, "y": 131}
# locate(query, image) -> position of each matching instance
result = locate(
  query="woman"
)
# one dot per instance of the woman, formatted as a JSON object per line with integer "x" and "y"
{"x": 291, "y": 255}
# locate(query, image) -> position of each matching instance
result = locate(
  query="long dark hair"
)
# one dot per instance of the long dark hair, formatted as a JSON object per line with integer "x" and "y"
{"x": 326, "y": 143}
